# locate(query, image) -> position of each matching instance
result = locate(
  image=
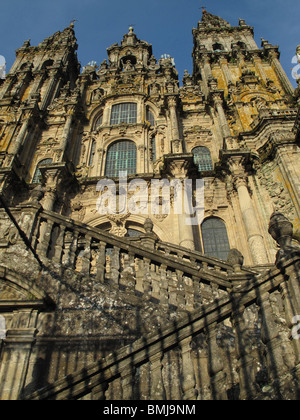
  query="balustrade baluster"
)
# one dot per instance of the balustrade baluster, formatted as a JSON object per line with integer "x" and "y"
{"x": 245, "y": 360}
{"x": 70, "y": 247}
{"x": 115, "y": 265}
{"x": 45, "y": 237}
{"x": 180, "y": 290}
{"x": 272, "y": 338}
{"x": 215, "y": 365}
{"x": 189, "y": 293}
{"x": 100, "y": 262}
{"x": 58, "y": 247}
{"x": 163, "y": 293}
{"x": 128, "y": 279}
{"x": 86, "y": 256}
{"x": 157, "y": 386}
{"x": 127, "y": 382}
{"x": 147, "y": 281}
{"x": 188, "y": 374}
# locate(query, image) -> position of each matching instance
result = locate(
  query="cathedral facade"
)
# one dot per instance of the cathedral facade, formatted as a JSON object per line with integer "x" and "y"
{"x": 150, "y": 231}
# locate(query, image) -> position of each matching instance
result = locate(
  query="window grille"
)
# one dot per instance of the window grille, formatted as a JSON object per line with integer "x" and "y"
{"x": 37, "y": 174}
{"x": 124, "y": 113}
{"x": 121, "y": 156}
{"x": 215, "y": 239}
{"x": 202, "y": 158}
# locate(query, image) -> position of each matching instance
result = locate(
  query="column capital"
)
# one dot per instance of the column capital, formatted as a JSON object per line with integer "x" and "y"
{"x": 179, "y": 165}
{"x": 172, "y": 100}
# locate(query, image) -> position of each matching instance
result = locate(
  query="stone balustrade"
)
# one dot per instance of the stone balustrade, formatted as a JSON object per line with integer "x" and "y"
{"x": 164, "y": 272}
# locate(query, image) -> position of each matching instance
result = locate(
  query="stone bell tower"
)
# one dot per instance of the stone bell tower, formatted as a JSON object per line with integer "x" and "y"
{"x": 250, "y": 101}
{"x": 38, "y": 76}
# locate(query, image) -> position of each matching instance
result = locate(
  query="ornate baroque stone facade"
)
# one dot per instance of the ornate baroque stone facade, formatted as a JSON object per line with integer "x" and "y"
{"x": 143, "y": 305}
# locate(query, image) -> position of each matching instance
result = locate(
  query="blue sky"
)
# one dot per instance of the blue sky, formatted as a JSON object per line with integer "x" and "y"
{"x": 166, "y": 24}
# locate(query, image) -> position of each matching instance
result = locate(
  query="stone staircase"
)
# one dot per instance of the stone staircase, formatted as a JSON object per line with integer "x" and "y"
{"x": 229, "y": 338}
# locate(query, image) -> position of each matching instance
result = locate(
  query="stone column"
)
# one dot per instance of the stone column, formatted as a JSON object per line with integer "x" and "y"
{"x": 273, "y": 55}
{"x": 53, "y": 176}
{"x": 179, "y": 168}
{"x": 53, "y": 79}
{"x": 67, "y": 129}
{"x": 224, "y": 66}
{"x": 175, "y": 140}
{"x": 217, "y": 99}
{"x": 17, "y": 143}
{"x": 258, "y": 65}
{"x": 206, "y": 72}
{"x": 253, "y": 230}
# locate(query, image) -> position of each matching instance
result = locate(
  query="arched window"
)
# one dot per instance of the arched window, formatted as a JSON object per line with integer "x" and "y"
{"x": 92, "y": 153}
{"x": 150, "y": 117}
{"x": 98, "y": 122}
{"x": 37, "y": 174}
{"x": 215, "y": 238}
{"x": 202, "y": 158}
{"x": 121, "y": 156}
{"x": 2, "y": 328}
{"x": 124, "y": 113}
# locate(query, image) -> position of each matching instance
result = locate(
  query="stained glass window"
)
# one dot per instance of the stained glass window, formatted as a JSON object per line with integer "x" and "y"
{"x": 215, "y": 239}
{"x": 202, "y": 158}
{"x": 37, "y": 174}
{"x": 121, "y": 156}
{"x": 124, "y": 113}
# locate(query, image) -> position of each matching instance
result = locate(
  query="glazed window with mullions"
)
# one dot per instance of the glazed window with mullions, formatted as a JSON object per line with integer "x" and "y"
{"x": 124, "y": 113}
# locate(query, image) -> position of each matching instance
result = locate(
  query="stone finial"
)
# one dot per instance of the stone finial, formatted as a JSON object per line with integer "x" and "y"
{"x": 281, "y": 229}
{"x": 148, "y": 225}
{"x": 36, "y": 194}
{"x": 236, "y": 259}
